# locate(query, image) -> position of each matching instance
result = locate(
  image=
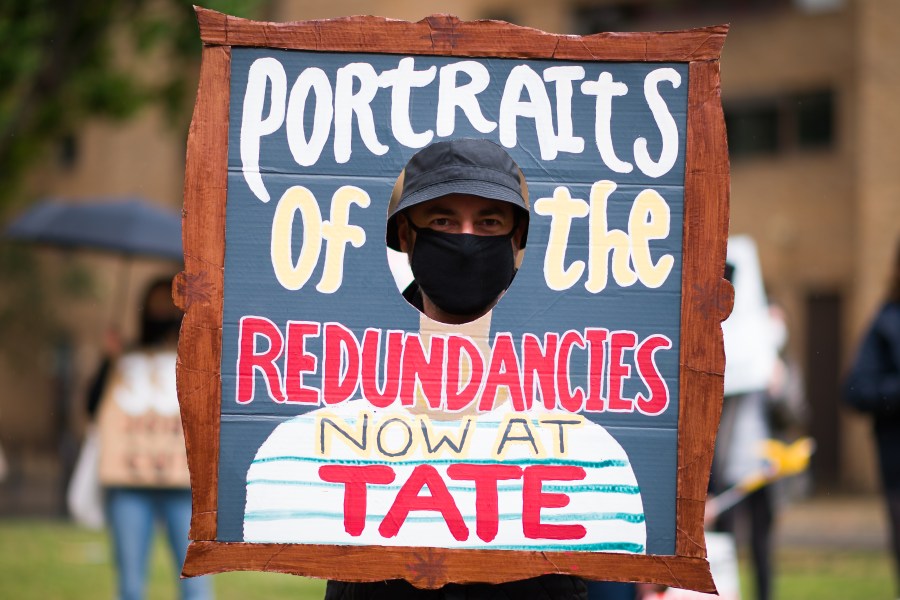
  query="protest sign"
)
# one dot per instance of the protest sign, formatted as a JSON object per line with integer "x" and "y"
{"x": 335, "y": 431}
{"x": 141, "y": 441}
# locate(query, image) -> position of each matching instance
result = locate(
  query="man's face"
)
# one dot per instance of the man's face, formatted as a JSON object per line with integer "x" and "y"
{"x": 459, "y": 213}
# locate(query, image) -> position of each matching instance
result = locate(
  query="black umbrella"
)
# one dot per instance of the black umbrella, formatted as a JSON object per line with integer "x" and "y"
{"x": 131, "y": 227}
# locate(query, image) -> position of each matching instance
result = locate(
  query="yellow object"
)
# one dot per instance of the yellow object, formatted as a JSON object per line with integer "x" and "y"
{"x": 783, "y": 460}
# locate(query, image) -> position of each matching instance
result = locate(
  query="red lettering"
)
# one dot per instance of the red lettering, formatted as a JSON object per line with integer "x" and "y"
{"x": 542, "y": 362}
{"x": 503, "y": 371}
{"x": 596, "y": 338}
{"x": 487, "y": 516}
{"x": 658, "y": 400}
{"x": 299, "y": 361}
{"x": 355, "y": 480}
{"x": 458, "y": 399}
{"x": 408, "y": 499}
{"x": 249, "y": 360}
{"x": 619, "y": 341}
{"x": 341, "y": 364}
{"x": 371, "y": 366}
{"x": 534, "y": 499}
{"x": 570, "y": 399}
{"x": 428, "y": 370}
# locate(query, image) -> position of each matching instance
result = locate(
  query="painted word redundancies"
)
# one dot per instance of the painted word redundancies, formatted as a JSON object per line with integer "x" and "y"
{"x": 450, "y": 372}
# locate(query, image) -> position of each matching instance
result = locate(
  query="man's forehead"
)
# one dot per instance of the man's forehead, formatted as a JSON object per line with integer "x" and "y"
{"x": 454, "y": 203}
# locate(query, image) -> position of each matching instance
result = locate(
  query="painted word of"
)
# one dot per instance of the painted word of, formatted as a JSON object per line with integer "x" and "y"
{"x": 337, "y": 233}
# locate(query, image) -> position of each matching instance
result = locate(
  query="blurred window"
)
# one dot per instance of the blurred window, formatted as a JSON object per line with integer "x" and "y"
{"x": 752, "y": 129}
{"x": 815, "y": 119}
{"x": 780, "y": 124}
{"x": 502, "y": 15}
{"x": 68, "y": 151}
{"x": 621, "y": 16}
{"x": 589, "y": 17}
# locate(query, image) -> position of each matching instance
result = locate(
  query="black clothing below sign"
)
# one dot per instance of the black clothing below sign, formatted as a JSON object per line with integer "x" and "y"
{"x": 545, "y": 587}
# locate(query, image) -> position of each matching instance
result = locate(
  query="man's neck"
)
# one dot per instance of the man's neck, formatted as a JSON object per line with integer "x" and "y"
{"x": 433, "y": 311}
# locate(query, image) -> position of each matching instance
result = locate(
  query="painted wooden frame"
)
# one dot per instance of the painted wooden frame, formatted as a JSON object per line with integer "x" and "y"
{"x": 706, "y": 297}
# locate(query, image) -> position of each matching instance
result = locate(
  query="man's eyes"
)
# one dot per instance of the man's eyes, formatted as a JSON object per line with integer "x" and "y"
{"x": 484, "y": 226}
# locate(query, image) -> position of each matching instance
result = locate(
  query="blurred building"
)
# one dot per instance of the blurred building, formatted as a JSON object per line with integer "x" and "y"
{"x": 810, "y": 92}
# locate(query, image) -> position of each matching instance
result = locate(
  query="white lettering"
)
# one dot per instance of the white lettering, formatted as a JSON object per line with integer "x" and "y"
{"x": 664, "y": 121}
{"x": 536, "y": 107}
{"x": 452, "y": 96}
{"x": 307, "y": 151}
{"x": 605, "y": 89}
{"x": 564, "y": 76}
{"x": 253, "y": 125}
{"x": 401, "y": 80}
{"x": 346, "y": 104}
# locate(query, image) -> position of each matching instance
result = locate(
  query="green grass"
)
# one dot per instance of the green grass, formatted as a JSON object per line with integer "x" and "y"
{"x": 825, "y": 574}
{"x": 54, "y": 560}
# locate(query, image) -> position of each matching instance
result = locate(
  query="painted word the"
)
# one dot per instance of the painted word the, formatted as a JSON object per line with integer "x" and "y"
{"x": 631, "y": 259}
{"x": 357, "y": 478}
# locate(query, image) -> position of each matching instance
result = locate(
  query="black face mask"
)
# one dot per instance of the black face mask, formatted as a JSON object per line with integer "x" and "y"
{"x": 462, "y": 273}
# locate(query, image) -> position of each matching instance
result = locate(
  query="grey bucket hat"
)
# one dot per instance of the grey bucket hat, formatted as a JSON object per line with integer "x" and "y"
{"x": 460, "y": 166}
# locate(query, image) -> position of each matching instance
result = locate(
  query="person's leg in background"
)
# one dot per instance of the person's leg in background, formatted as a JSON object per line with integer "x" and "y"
{"x": 892, "y": 496}
{"x": 761, "y": 511}
{"x": 175, "y": 509}
{"x": 130, "y": 516}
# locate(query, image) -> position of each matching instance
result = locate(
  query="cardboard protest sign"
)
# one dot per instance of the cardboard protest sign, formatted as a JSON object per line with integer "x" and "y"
{"x": 141, "y": 440}
{"x": 335, "y": 431}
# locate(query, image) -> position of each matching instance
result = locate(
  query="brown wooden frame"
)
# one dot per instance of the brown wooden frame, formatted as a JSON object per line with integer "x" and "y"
{"x": 706, "y": 297}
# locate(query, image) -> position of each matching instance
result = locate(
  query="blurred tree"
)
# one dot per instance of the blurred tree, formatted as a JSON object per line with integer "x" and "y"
{"x": 62, "y": 62}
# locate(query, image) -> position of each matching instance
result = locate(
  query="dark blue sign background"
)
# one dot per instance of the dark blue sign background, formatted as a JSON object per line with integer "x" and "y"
{"x": 368, "y": 296}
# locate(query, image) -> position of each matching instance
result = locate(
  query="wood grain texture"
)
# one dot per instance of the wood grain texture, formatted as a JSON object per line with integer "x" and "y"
{"x": 706, "y": 297}
{"x": 706, "y": 300}
{"x": 446, "y": 35}
{"x": 434, "y": 567}
{"x": 198, "y": 290}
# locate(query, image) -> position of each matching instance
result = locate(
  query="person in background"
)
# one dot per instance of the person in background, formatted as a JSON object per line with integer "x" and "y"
{"x": 753, "y": 337}
{"x": 142, "y": 457}
{"x": 873, "y": 387}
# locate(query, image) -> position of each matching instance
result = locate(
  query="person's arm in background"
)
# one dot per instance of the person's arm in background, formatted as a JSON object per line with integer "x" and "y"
{"x": 113, "y": 348}
{"x": 873, "y": 384}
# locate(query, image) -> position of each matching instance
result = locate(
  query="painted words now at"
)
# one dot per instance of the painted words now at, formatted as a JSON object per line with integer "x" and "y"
{"x": 395, "y": 436}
